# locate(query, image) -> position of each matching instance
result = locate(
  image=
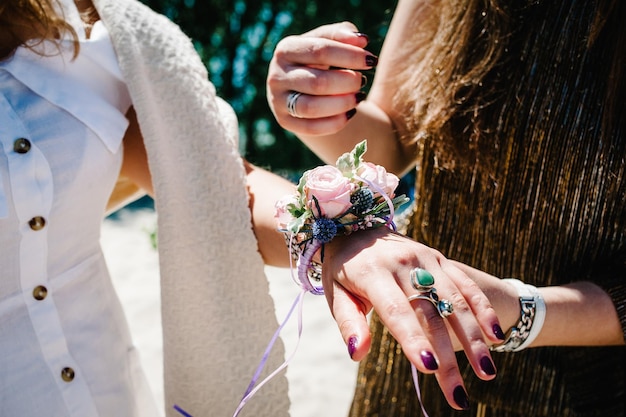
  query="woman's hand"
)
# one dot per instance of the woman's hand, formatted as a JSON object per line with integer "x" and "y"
{"x": 324, "y": 66}
{"x": 371, "y": 269}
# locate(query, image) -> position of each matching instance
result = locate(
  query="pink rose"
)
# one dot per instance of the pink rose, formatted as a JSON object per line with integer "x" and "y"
{"x": 379, "y": 176}
{"x": 282, "y": 215}
{"x": 330, "y": 188}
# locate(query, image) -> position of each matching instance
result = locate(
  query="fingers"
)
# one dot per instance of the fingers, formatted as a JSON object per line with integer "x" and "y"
{"x": 317, "y": 115}
{"x": 322, "y": 53}
{"x": 345, "y": 32}
{"x": 369, "y": 276}
{"x": 350, "y": 315}
{"x": 473, "y": 316}
{"x": 477, "y": 301}
{"x": 324, "y": 65}
{"x": 422, "y": 333}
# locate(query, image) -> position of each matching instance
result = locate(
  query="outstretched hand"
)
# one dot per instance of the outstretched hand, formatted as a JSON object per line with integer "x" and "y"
{"x": 371, "y": 269}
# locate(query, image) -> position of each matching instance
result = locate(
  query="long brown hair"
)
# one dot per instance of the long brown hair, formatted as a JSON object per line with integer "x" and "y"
{"x": 467, "y": 43}
{"x": 25, "y": 20}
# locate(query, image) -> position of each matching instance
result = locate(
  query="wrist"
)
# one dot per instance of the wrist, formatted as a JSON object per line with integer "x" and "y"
{"x": 532, "y": 313}
{"x": 329, "y": 202}
{"x": 507, "y": 305}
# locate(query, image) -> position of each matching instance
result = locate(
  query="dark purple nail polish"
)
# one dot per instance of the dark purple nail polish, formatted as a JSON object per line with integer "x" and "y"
{"x": 371, "y": 60}
{"x": 353, "y": 341}
{"x": 350, "y": 113}
{"x": 497, "y": 330}
{"x": 362, "y": 35}
{"x": 460, "y": 397}
{"x": 360, "y": 96}
{"x": 487, "y": 366}
{"x": 428, "y": 359}
{"x": 363, "y": 80}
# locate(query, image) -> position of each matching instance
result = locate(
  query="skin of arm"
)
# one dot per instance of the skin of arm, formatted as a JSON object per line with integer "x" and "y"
{"x": 577, "y": 314}
{"x": 264, "y": 189}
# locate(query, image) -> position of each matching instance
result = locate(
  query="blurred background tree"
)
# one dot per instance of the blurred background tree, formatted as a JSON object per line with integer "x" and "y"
{"x": 236, "y": 39}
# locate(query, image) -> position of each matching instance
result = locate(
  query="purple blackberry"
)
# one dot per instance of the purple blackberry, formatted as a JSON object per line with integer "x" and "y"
{"x": 362, "y": 200}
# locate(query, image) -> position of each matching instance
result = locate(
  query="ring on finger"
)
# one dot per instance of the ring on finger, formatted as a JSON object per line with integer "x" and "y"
{"x": 421, "y": 279}
{"x": 444, "y": 307}
{"x": 424, "y": 282}
{"x": 292, "y": 99}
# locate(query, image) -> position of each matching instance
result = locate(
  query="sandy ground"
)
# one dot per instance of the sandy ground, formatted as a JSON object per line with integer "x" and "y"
{"x": 321, "y": 375}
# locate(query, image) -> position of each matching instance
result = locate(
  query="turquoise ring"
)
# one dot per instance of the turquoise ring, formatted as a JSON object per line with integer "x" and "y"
{"x": 423, "y": 281}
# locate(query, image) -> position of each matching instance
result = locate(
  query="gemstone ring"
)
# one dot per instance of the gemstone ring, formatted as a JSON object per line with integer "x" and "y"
{"x": 423, "y": 281}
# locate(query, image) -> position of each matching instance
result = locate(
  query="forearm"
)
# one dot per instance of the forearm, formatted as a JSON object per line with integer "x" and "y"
{"x": 577, "y": 314}
{"x": 265, "y": 189}
{"x": 372, "y": 123}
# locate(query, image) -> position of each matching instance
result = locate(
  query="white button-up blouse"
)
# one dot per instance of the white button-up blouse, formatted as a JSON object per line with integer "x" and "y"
{"x": 65, "y": 349}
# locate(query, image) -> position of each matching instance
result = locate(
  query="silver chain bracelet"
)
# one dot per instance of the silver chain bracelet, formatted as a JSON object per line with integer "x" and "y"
{"x": 532, "y": 316}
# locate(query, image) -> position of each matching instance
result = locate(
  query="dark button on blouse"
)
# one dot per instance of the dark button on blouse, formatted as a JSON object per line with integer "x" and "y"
{"x": 21, "y": 145}
{"x": 37, "y": 223}
{"x": 67, "y": 374}
{"x": 40, "y": 292}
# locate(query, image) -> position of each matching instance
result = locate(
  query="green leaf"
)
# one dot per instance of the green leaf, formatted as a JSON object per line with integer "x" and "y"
{"x": 344, "y": 164}
{"x": 358, "y": 152}
{"x": 295, "y": 225}
{"x": 349, "y": 162}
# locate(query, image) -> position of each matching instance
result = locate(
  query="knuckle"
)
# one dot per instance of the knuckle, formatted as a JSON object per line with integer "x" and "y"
{"x": 319, "y": 84}
{"x": 459, "y": 302}
{"x": 346, "y": 326}
{"x": 476, "y": 342}
{"x": 413, "y": 341}
{"x": 448, "y": 371}
{"x": 273, "y": 80}
{"x": 395, "y": 308}
{"x": 403, "y": 257}
{"x": 478, "y": 299}
{"x": 317, "y": 51}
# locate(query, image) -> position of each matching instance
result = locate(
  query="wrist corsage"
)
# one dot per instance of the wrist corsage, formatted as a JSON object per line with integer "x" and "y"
{"x": 335, "y": 200}
{"x": 329, "y": 201}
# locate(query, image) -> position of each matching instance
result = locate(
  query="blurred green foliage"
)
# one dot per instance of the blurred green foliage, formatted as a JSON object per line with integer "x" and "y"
{"x": 236, "y": 39}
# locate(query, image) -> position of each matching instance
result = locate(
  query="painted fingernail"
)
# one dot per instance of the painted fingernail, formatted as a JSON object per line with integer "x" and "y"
{"x": 487, "y": 365}
{"x": 460, "y": 398}
{"x": 497, "y": 330}
{"x": 371, "y": 60}
{"x": 362, "y": 35}
{"x": 360, "y": 96}
{"x": 363, "y": 80}
{"x": 428, "y": 359}
{"x": 353, "y": 341}
{"x": 350, "y": 113}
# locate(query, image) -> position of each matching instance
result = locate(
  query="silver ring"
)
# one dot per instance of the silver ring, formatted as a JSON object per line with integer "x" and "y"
{"x": 292, "y": 98}
{"x": 444, "y": 307}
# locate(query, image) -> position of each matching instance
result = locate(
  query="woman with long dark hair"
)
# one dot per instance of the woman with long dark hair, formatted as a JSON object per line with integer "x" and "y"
{"x": 512, "y": 115}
